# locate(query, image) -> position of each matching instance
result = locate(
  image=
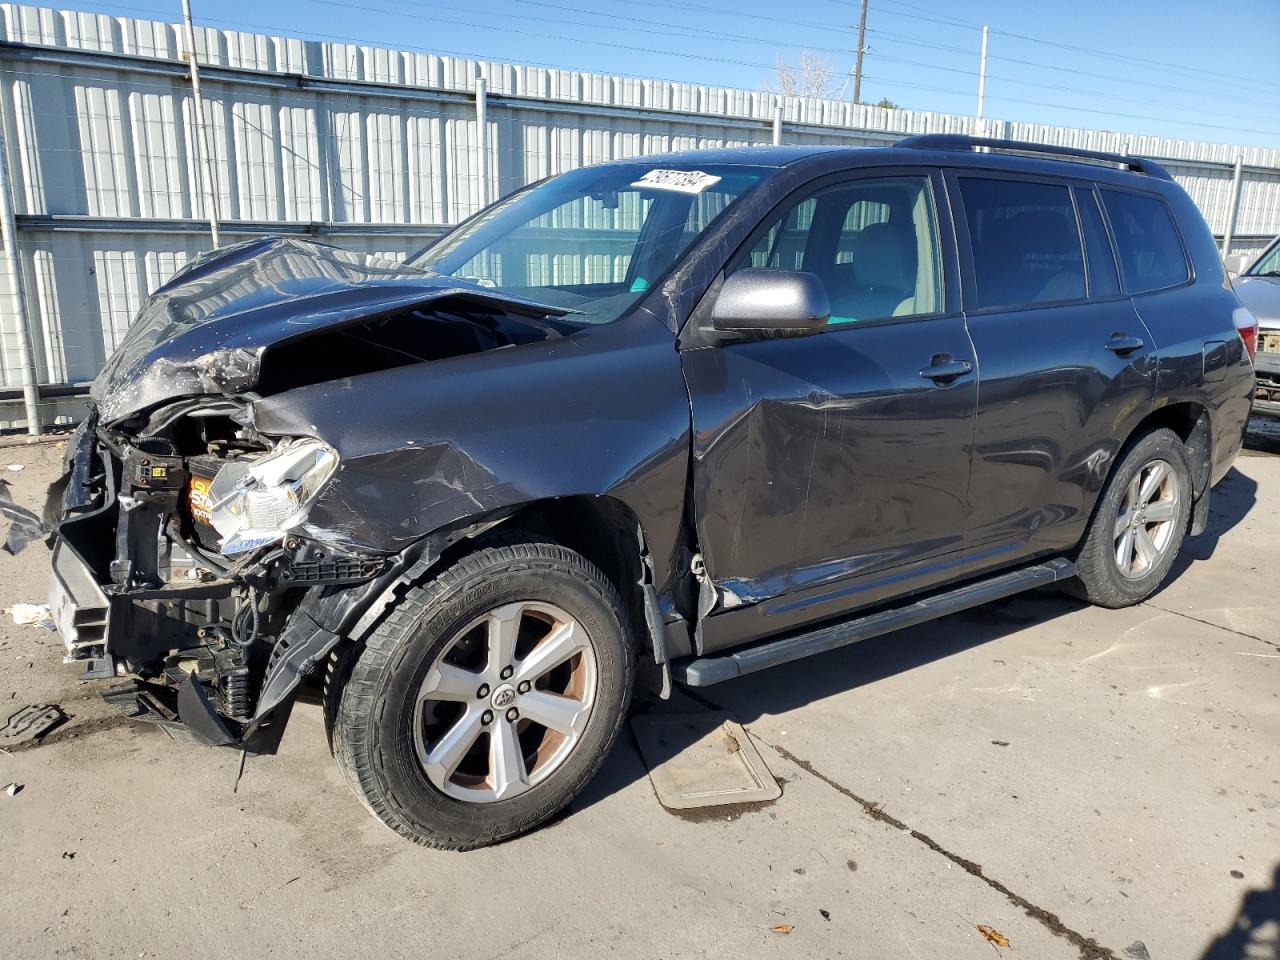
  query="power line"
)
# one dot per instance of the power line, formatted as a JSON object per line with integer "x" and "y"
{"x": 725, "y": 60}
{"x": 1055, "y": 86}
{"x": 934, "y": 16}
{"x": 344, "y": 3}
{"x": 1064, "y": 106}
{"x": 1127, "y": 58}
{"x": 1091, "y": 74}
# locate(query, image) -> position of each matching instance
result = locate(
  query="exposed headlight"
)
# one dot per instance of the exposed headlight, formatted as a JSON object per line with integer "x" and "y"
{"x": 253, "y": 502}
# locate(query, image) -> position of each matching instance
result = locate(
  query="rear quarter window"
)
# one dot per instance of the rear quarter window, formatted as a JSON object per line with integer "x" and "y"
{"x": 1147, "y": 241}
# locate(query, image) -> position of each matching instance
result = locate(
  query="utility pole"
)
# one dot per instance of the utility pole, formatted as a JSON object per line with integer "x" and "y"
{"x": 1233, "y": 211}
{"x": 862, "y": 45}
{"x": 482, "y": 141}
{"x": 202, "y": 136}
{"x": 982, "y": 74}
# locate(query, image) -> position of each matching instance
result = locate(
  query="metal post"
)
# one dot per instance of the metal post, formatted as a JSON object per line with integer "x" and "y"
{"x": 202, "y": 136}
{"x": 862, "y": 43}
{"x": 1233, "y": 217}
{"x": 982, "y": 75}
{"x": 482, "y": 139}
{"x": 777, "y": 121}
{"x": 13, "y": 274}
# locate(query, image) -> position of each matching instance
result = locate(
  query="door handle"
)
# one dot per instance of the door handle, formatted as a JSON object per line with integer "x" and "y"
{"x": 1122, "y": 343}
{"x": 943, "y": 369}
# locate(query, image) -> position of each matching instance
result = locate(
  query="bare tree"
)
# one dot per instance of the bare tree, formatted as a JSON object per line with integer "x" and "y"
{"x": 813, "y": 76}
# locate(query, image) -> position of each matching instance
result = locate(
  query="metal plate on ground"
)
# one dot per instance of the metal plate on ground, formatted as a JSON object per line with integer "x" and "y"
{"x": 29, "y": 722}
{"x": 702, "y": 760}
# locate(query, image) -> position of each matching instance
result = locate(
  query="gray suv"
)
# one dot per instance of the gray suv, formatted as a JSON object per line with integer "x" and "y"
{"x": 679, "y": 418}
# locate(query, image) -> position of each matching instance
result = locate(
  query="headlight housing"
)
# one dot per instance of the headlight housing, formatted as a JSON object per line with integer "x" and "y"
{"x": 254, "y": 502}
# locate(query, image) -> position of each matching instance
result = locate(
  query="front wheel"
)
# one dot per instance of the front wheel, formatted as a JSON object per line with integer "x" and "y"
{"x": 1139, "y": 524}
{"x": 488, "y": 698}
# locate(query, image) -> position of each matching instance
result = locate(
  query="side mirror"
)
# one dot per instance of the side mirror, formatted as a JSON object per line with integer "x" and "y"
{"x": 1236, "y": 263}
{"x": 783, "y": 301}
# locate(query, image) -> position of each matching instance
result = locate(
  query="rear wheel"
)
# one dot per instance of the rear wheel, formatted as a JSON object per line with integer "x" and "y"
{"x": 1139, "y": 523}
{"x": 488, "y": 698}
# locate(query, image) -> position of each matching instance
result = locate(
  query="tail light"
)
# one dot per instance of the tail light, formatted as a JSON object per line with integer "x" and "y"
{"x": 1247, "y": 327}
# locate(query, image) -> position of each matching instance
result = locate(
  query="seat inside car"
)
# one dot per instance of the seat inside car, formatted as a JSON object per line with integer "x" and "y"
{"x": 880, "y": 281}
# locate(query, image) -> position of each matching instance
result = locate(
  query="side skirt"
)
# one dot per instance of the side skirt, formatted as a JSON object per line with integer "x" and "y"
{"x": 704, "y": 671}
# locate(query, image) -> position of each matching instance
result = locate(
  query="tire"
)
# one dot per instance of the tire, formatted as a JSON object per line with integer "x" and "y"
{"x": 1102, "y": 576}
{"x": 406, "y": 696}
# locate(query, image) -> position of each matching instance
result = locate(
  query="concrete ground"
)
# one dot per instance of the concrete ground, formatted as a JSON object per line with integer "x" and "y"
{"x": 1082, "y": 782}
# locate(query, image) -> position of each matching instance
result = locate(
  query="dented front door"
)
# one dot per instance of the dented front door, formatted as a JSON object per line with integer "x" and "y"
{"x": 826, "y": 464}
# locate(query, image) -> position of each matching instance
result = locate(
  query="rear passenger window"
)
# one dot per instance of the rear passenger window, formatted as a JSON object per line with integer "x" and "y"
{"x": 1026, "y": 248}
{"x": 1150, "y": 252}
{"x": 1103, "y": 279}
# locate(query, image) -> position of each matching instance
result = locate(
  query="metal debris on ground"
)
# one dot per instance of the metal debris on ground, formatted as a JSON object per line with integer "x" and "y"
{"x": 702, "y": 760}
{"x": 30, "y": 722}
{"x": 1137, "y": 950}
{"x": 26, "y": 526}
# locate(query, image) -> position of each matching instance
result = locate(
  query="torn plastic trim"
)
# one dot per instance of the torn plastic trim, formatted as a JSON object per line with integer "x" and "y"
{"x": 327, "y": 616}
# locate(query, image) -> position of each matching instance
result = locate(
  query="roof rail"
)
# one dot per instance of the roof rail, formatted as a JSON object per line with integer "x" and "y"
{"x": 960, "y": 142}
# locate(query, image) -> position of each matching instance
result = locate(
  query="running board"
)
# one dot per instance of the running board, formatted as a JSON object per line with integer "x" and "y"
{"x": 704, "y": 671}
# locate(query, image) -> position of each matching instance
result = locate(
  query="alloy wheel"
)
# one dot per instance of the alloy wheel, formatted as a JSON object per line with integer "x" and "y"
{"x": 1144, "y": 526}
{"x": 505, "y": 703}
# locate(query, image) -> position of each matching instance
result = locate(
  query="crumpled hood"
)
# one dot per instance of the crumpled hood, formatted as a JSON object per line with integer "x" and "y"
{"x": 205, "y": 331}
{"x": 1262, "y": 296}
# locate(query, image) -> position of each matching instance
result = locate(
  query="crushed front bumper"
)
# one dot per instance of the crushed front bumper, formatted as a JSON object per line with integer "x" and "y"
{"x": 136, "y": 600}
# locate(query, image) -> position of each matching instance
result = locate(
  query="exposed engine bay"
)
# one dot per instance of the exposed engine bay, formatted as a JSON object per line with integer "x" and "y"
{"x": 180, "y": 557}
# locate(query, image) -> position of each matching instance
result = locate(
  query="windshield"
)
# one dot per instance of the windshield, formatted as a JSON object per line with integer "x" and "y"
{"x": 593, "y": 240}
{"x": 1268, "y": 264}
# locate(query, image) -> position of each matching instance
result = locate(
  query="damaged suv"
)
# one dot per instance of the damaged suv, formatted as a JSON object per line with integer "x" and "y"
{"x": 679, "y": 419}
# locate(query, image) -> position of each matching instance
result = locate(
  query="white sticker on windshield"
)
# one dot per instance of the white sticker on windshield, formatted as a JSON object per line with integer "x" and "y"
{"x": 677, "y": 181}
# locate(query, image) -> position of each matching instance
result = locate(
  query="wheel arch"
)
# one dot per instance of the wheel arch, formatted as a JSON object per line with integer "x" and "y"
{"x": 608, "y": 533}
{"x": 1189, "y": 420}
{"x": 603, "y": 529}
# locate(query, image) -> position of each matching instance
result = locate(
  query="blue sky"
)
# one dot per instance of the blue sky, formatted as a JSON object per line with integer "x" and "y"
{"x": 1184, "y": 68}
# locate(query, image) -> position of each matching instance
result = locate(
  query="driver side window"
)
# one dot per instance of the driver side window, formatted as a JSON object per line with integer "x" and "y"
{"x": 872, "y": 242}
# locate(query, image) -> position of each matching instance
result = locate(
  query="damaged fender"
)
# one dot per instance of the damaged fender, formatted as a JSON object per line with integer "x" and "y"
{"x": 599, "y": 413}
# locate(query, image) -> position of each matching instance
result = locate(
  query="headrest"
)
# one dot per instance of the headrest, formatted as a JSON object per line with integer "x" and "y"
{"x": 885, "y": 256}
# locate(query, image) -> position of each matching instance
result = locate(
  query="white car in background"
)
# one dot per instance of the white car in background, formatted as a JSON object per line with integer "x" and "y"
{"x": 1258, "y": 288}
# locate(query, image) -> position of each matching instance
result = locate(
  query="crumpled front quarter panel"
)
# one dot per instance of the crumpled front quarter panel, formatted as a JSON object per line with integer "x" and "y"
{"x": 603, "y": 412}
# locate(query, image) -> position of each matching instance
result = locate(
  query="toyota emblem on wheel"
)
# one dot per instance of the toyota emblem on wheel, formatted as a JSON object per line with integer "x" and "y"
{"x": 504, "y": 697}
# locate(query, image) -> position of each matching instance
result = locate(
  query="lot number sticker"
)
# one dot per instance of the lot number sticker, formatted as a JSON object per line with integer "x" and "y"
{"x": 677, "y": 181}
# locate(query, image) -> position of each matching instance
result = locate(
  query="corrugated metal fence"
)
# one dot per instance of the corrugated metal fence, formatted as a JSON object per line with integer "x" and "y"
{"x": 369, "y": 148}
